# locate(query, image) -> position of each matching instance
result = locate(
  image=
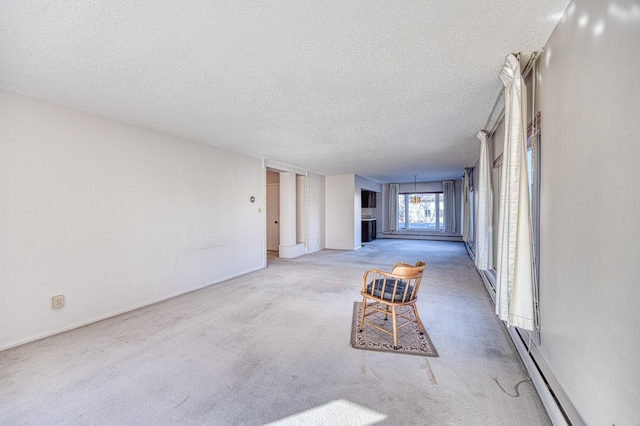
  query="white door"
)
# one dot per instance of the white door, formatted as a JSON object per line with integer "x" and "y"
{"x": 273, "y": 217}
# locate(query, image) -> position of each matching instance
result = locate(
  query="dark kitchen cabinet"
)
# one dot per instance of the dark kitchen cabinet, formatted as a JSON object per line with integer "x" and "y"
{"x": 368, "y": 230}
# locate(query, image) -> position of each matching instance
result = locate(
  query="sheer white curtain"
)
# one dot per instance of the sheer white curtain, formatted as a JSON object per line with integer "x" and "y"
{"x": 484, "y": 230}
{"x": 514, "y": 287}
{"x": 394, "y": 191}
{"x": 465, "y": 201}
{"x": 448, "y": 188}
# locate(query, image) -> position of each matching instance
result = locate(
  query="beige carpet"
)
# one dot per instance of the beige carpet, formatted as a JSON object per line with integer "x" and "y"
{"x": 273, "y": 347}
{"x": 410, "y": 341}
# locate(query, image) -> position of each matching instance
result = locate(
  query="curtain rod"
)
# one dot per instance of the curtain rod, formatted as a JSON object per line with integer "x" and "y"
{"x": 525, "y": 73}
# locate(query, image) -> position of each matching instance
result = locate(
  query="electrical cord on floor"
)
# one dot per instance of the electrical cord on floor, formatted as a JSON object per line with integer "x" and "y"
{"x": 528, "y": 378}
{"x": 515, "y": 388}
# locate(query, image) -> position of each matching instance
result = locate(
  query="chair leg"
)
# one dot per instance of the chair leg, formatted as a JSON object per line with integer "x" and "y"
{"x": 386, "y": 315}
{"x": 415, "y": 311}
{"x": 395, "y": 330}
{"x": 362, "y": 309}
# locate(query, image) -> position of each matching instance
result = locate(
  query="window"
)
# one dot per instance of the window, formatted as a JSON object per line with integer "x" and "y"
{"x": 423, "y": 211}
{"x": 533, "y": 171}
{"x": 533, "y": 175}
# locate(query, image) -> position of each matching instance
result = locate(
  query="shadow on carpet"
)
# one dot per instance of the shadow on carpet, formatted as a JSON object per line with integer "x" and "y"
{"x": 410, "y": 341}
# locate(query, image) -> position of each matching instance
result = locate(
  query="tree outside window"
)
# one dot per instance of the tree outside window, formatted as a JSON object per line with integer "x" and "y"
{"x": 423, "y": 211}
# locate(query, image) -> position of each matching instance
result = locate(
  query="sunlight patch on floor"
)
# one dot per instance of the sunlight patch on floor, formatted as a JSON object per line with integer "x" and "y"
{"x": 338, "y": 412}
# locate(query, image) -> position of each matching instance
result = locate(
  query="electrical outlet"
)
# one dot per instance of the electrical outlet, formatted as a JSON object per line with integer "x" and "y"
{"x": 57, "y": 302}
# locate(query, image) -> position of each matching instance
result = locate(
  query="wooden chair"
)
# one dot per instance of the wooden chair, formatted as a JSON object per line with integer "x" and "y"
{"x": 385, "y": 292}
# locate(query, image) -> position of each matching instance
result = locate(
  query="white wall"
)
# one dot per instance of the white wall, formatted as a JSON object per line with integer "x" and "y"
{"x": 301, "y": 213}
{"x": 421, "y": 187}
{"x": 366, "y": 184}
{"x": 317, "y": 213}
{"x": 590, "y": 269}
{"x": 113, "y": 216}
{"x": 341, "y": 212}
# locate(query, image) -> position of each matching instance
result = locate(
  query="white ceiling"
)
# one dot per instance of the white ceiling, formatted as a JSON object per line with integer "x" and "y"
{"x": 386, "y": 90}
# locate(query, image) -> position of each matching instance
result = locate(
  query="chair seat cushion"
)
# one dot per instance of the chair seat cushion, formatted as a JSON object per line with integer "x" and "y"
{"x": 388, "y": 289}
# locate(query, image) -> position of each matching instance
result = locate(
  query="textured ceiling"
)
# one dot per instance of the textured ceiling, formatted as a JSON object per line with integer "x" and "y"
{"x": 385, "y": 90}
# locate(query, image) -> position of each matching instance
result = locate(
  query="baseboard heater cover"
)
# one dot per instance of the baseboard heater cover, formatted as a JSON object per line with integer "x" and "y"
{"x": 559, "y": 408}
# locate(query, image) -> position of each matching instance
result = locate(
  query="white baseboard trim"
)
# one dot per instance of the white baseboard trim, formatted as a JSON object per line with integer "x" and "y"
{"x": 122, "y": 311}
{"x": 486, "y": 279}
{"x": 569, "y": 412}
{"x": 292, "y": 251}
{"x": 420, "y": 236}
{"x": 554, "y": 411}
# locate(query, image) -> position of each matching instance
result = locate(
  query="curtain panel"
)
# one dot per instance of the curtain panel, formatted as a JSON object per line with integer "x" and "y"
{"x": 394, "y": 191}
{"x": 465, "y": 207}
{"x": 484, "y": 230}
{"x": 449, "y": 190}
{"x": 514, "y": 287}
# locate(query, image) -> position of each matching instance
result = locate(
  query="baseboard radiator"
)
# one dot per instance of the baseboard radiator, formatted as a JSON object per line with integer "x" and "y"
{"x": 428, "y": 236}
{"x": 559, "y": 408}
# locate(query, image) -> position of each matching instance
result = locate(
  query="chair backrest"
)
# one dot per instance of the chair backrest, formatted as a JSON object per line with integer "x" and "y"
{"x": 408, "y": 271}
{"x": 402, "y": 264}
{"x": 406, "y": 268}
{"x": 399, "y": 286}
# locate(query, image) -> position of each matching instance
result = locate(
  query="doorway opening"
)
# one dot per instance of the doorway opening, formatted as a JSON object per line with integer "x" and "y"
{"x": 286, "y": 226}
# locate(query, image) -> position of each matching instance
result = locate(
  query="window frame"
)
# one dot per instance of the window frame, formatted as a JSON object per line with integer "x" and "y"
{"x": 533, "y": 180}
{"x": 534, "y": 175}
{"x": 439, "y": 215}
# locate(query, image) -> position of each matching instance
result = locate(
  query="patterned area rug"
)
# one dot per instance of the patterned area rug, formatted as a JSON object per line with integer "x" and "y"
{"x": 410, "y": 341}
